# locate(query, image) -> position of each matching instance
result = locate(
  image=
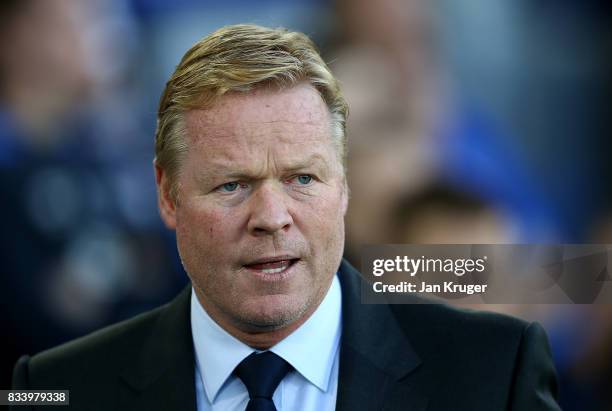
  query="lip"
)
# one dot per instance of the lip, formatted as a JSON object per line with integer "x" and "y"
{"x": 272, "y": 259}
{"x": 259, "y": 273}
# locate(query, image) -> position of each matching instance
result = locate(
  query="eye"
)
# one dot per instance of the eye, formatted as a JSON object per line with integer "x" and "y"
{"x": 304, "y": 179}
{"x": 229, "y": 187}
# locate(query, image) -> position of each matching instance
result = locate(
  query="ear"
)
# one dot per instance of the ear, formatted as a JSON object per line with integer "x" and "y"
{"x": 165, "y": 202}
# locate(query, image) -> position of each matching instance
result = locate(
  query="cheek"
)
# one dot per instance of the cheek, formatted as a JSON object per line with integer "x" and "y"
{"x": 323, "y": 218}
{"x": 201, "y": 232}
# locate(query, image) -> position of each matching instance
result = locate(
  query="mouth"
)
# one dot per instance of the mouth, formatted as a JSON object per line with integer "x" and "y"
{"x": 272, "y": 265}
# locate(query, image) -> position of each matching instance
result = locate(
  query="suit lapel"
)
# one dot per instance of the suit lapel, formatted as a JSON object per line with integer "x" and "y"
{"x": 376, "y": 358}
{"x": 163, "y": 376}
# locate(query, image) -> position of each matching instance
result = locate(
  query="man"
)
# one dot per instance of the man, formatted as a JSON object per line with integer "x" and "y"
{"x": 249, "y": 166}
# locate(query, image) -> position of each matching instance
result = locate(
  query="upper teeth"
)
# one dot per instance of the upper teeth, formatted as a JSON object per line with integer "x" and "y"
{"x": 275, "y": 270}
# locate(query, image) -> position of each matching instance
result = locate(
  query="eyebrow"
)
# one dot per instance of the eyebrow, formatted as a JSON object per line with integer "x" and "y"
{"x": 312, "y": 161}
{"x": 220, "y": 170}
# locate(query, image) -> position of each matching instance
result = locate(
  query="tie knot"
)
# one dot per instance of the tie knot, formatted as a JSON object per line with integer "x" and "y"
{"x": 261, "y": 373}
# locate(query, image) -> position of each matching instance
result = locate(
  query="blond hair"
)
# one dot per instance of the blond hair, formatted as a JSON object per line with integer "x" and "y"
{"x": 241, "y": 58}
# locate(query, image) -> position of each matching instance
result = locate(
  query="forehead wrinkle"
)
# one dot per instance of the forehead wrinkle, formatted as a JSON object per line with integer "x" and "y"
{"x": 307, "y": 122}
{"x": 253, "y": 128}
{"x": 207, "y": 133}
{"x": 283, "y": 154}
{"x": 222, "y": 113}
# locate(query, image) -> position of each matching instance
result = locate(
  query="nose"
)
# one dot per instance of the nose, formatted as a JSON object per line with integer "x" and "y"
{"x": 268, "y": 211}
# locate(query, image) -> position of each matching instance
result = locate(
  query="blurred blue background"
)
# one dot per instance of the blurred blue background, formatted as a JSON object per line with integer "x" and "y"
{"x": 471, "y": 122}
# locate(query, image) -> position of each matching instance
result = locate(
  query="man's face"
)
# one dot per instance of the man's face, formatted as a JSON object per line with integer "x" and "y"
{"x": 262, "y": 198}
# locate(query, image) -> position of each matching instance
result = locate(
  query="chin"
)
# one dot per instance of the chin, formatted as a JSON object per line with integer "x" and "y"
{"x": 272, "y": 312}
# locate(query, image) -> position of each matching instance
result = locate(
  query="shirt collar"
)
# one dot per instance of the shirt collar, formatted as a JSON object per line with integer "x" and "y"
{"x": 310, "y": 349}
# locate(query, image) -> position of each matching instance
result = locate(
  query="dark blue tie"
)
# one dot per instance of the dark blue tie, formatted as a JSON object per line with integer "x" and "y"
{"x": 261, "y": 374}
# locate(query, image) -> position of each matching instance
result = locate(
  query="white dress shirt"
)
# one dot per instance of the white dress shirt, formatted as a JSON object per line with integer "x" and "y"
{"x": 312, "y": 350}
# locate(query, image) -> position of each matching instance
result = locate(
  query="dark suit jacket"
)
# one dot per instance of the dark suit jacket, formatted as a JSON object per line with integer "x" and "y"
{"x": 393, "y": 357}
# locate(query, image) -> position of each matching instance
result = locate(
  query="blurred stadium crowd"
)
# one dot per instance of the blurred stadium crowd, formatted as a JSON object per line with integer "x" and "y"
{"x": 471, "y": 122}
